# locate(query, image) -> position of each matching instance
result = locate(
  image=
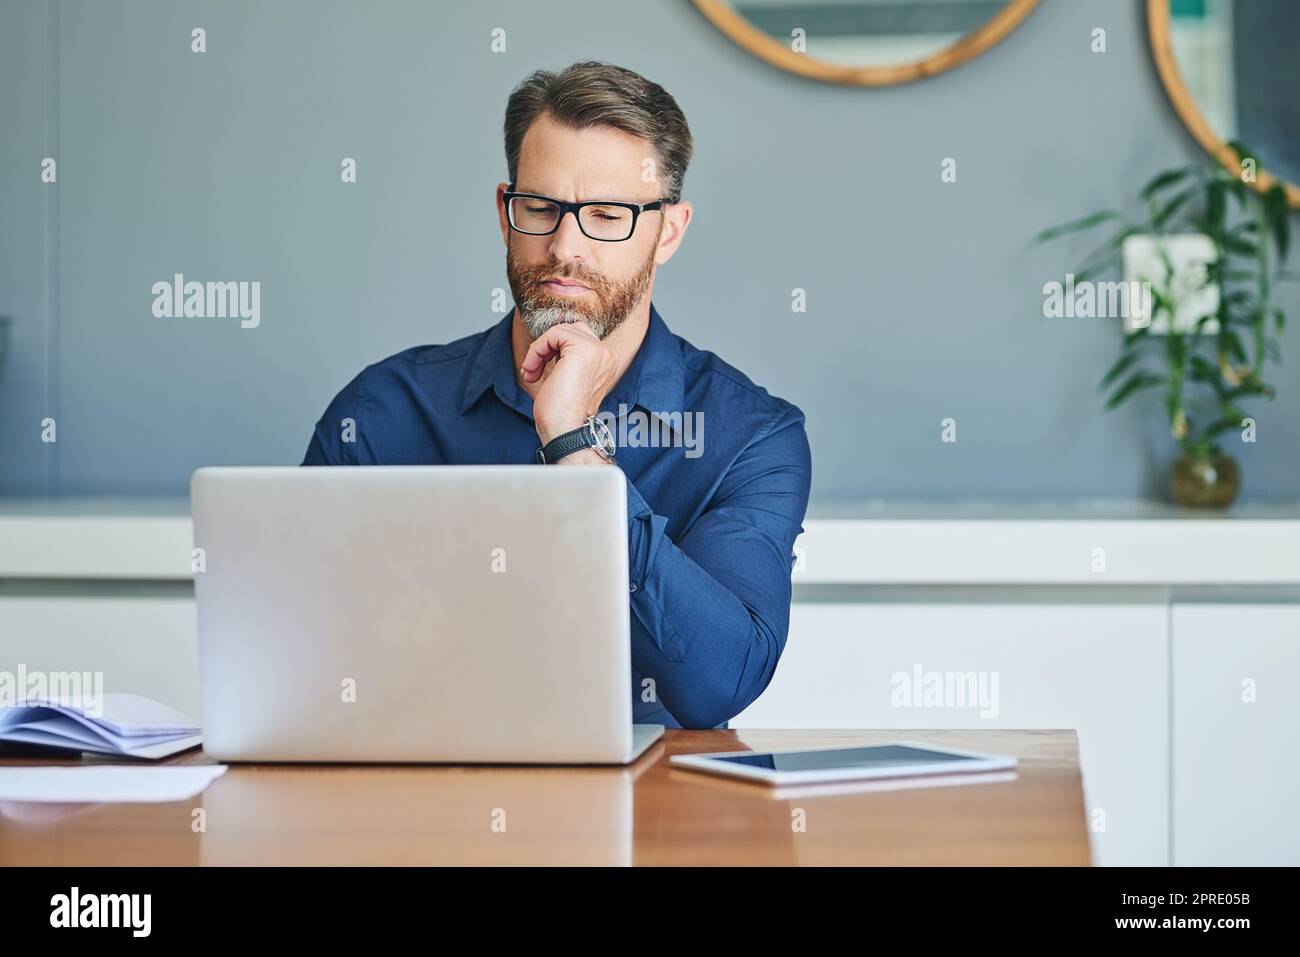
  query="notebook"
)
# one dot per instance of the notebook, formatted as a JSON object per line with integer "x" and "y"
{"x": 124, "y": 725}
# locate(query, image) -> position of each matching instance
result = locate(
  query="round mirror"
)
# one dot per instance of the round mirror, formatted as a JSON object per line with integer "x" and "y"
{"x": 866, "y": 42}
{"x": 1231, "y": 70}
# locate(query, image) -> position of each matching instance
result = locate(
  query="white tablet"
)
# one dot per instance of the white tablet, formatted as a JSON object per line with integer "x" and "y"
{"x": 839, "y": 763}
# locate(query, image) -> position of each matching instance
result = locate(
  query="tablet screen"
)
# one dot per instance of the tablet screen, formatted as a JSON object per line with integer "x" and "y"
{"x": 874, "y": 756}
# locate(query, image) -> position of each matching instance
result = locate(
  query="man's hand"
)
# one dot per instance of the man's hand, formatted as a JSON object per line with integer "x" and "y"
{"x": 584, "y": 372}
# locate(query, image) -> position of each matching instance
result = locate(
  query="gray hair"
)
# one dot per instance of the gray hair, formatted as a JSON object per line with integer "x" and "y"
{"x": 591, "y": 93}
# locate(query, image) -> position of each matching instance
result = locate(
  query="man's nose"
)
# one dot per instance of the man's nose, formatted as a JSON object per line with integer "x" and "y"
{"x": 568, "y": 241}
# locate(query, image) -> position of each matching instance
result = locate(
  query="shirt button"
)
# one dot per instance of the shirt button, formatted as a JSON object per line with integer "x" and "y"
{"x": 632, "y": 586}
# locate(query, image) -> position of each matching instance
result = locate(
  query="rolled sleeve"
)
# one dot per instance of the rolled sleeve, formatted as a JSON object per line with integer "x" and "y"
{"x": 714, "y": 606}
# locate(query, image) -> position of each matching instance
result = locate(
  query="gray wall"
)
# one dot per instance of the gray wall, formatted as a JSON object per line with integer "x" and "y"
{"x": 924, "y": 300}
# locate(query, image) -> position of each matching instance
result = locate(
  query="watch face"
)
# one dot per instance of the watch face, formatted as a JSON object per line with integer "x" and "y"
{"x": 603, "y": 436}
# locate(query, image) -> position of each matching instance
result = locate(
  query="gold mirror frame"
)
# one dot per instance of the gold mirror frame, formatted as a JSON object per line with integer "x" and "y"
{"x": 723, "y": 16}
{"x": 1162, "y": 50}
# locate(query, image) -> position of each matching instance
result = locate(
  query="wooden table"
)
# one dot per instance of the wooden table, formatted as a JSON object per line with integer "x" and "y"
{"x": 647, "y": 813}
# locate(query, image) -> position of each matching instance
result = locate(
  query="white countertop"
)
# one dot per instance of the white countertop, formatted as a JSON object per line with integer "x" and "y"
{"x": 1048, "y": 543}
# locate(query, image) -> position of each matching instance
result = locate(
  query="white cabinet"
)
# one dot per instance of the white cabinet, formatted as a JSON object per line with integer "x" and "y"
{"x": 145, "y": 645}
{"x": 1099, "y": 669}
{"x": 1236, "y": 709}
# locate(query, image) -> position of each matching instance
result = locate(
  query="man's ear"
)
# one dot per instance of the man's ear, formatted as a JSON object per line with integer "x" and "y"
{"x": 676, "y": 218}
{"x": 501, "y": 213}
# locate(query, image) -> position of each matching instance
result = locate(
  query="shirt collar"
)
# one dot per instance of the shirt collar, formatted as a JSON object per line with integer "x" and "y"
{"x": 494, "y": 367}
{"x": 655, "y": 381}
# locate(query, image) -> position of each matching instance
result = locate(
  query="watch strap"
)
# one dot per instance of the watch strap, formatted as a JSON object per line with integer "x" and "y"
{"x": 566, "y": 444}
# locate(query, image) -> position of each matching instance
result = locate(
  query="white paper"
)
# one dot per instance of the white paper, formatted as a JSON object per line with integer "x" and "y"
{"x": 149, "y": 749}
{"x": 107, "y": 783}
{"x": 126, "y": 715}
{"x": 75, "y": 733}
{"x": 131, "y": 725}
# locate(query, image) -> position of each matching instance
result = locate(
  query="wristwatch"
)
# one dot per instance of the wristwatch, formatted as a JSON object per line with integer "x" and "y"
{"x": 594, "y": 435}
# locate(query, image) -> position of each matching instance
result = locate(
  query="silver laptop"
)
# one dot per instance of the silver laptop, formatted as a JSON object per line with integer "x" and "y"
{"x": 450, "y": 614}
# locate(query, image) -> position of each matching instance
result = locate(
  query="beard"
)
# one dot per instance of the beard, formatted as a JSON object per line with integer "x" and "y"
{"x": 603, "y": 311}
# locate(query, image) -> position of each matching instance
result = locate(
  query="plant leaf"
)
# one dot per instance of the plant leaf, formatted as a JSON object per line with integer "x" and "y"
{"x": 1201, "y": 369}
{"x": 1134, "y": 383}
{"x": 1162, "y": 180}
{"x": 1235, "y": 244}
{"x": 1077, "y": 225}
{"x": 1214, "y": 207}
{"x": 1163, "y": 215}
{"x": 1121, "y": 366}
{"x": 1278, "y": 212}
{"x": 1223, "y": 425}
{"x": 1230, "y": 343}
{"x": 1243, "y": 152}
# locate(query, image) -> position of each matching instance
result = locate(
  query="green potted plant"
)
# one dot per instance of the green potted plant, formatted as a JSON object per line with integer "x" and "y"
{"x": 1205, "y": 373}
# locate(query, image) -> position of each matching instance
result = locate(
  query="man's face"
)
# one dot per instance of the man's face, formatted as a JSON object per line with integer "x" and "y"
{"x": 608, "y": 279}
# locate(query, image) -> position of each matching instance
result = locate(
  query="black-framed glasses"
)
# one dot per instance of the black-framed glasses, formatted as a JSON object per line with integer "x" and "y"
{"x": 605, "y": 220}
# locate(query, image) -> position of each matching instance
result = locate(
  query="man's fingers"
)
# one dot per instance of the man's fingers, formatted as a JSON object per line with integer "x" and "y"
{"x": 549, "y": 345}
{"x": 539, "y": 353}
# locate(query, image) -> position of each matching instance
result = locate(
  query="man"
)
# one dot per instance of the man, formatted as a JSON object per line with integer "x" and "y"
{"x": 711, "y": 524}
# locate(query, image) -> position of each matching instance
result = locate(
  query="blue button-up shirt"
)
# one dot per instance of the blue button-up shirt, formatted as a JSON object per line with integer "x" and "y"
{"x": 717, "y": 489}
